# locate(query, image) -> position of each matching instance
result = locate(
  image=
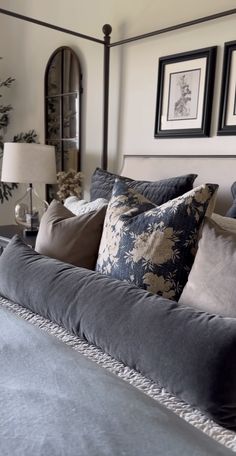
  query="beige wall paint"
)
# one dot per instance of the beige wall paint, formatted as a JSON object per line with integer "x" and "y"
{"x": 26, "y": 49}
{"x": 140, "y": 87}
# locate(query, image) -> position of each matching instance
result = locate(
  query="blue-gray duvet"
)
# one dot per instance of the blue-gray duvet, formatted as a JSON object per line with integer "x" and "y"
{"x": 55, "y": 401}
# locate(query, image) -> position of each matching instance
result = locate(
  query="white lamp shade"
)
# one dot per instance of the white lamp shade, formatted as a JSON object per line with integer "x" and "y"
{"x": 28, "y": 163}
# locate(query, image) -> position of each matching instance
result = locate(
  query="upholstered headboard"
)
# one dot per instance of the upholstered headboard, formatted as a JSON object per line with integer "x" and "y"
{"x": 217, "y": 169}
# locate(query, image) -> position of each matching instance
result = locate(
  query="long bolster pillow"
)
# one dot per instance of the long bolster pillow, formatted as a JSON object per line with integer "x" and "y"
{"x": 191, "y": 353}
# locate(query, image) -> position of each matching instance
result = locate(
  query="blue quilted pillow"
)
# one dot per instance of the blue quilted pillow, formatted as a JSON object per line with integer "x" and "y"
{"x": 152, "y": 246}
{"x": 158, "y": 192}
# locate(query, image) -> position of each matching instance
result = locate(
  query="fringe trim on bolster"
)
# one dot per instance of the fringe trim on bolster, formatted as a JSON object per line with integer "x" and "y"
{"x": 147, "y": 386}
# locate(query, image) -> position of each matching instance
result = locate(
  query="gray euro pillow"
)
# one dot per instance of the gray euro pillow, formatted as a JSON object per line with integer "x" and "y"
{"x": 226, "y": 223}
{"x": 211, "y": 282}
{"x": 158, "y": 192}
{"x": 232, "y": 210}
{"x": 191, "y": 353}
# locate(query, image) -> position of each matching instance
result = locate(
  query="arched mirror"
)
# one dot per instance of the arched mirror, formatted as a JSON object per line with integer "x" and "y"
{"x": 63, "y": 90}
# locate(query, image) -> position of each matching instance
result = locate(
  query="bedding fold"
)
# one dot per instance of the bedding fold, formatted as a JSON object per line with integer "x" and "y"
{"x": 191, "y": 353}
{"x": 56, "y": 402}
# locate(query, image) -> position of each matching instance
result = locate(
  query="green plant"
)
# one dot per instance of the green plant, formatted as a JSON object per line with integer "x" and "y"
{"x": 6, "y": 189}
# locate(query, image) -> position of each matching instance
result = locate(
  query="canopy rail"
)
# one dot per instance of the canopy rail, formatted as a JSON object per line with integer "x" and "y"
{"x": 51, "y": 26}
{"x": 175, "y": 27}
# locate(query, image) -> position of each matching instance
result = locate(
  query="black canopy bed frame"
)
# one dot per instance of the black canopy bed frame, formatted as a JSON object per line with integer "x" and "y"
{"x": 106, "y": 43}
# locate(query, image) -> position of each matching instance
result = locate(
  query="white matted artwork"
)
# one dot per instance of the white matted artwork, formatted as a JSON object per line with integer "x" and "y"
{"x": 183, "y": 97}
{"x": 184, "y": 94}
{"x": 227, "y": 114}
{"x": 231, "y": 111}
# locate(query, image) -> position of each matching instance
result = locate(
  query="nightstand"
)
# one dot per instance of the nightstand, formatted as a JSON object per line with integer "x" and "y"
{"x": 8, "y": 231}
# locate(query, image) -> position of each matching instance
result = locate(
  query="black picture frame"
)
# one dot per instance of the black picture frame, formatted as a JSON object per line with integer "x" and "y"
{"x": 185, "y": 93}
{"x": 227, "y": 111}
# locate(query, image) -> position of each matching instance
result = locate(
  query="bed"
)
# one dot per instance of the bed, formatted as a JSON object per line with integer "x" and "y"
{"x": 97, "y": 388}
{"x": 64, "y": 403}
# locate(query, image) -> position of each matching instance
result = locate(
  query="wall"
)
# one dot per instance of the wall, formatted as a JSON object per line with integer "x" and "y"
{"x": 140, "y": 87}
{"x": 25, "y": 49}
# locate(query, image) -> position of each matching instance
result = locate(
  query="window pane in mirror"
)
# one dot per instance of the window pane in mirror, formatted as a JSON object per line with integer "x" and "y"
{"x": 58, "y": 150}
{"x": 53, "y": 106}
{"x": 71, "y": 75}
{"x": 54, "y": 86}
{"x": 71, "y": 155}
{"x": 70, "y": 116}
{"x": 52, "y": 192}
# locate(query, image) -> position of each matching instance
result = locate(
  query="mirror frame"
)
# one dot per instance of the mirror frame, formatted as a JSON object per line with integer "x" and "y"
{"x": 50, "y": 190}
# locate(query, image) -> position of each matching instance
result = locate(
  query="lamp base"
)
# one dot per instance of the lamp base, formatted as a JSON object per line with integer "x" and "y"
{"x": 29, "y": 232}
{"x": 29, "y": 211}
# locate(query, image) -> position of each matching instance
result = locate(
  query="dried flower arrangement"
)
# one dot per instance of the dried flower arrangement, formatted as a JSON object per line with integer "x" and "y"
{"x": 69, "y": 184}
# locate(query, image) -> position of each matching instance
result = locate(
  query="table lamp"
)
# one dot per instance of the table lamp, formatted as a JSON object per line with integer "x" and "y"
{"x": 29, "y": 163}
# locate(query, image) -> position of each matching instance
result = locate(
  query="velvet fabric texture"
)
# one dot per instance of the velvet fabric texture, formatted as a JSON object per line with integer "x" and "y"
{"x": 191, "y": 353}
{"x": 56, "y": 402}
{"x": 211, "y": 282}
{"x": 158, "y": 192}
{"x": 70, "y": 238}
{"x": 232, "y": 210}
{"x": 152, "y": 246}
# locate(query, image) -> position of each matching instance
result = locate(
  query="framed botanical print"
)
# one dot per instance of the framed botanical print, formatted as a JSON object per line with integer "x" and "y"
{"x": 227, "y": 112}
{"x": 184, "y": 94}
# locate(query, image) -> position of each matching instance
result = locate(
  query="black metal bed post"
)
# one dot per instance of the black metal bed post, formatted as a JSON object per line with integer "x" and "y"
{"x": 107, "y": 31}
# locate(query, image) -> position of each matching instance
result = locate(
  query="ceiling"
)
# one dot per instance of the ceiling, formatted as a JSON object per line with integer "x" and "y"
{"x": 127, "y": 17}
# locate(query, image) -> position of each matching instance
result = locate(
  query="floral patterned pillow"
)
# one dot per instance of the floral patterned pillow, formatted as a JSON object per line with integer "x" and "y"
{"x": 152, "y": 246}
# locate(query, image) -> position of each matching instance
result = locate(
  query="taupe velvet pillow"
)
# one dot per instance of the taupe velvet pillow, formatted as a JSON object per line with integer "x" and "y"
{"x": 211, "y": 282}
{"x": 70, "y": 238}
